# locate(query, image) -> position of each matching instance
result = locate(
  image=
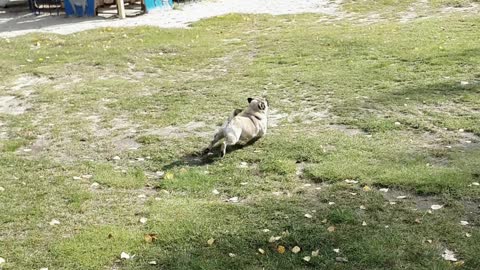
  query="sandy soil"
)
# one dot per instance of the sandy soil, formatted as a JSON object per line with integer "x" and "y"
{"x": 19, "y": 23}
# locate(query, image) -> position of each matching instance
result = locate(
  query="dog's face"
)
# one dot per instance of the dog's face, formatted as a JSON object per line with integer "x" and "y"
{"x": 258, "y": 104}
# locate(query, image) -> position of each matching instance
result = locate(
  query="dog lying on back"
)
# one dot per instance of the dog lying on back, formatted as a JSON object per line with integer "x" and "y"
{"x": 243, "y": 125}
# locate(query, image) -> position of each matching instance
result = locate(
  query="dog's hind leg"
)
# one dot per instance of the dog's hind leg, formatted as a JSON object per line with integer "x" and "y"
{"x": 216, "y": 138}
{"x": 230, "y": 139}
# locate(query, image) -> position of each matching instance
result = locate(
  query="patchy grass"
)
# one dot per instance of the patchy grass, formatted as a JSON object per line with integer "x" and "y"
{"x": 389, "y": 105}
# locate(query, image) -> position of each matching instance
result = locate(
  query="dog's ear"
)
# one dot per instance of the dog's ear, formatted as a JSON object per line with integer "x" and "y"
{"x": 249, "y": 99}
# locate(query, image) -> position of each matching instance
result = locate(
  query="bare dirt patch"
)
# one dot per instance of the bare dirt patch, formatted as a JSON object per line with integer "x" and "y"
{"x": 12, "y": 105}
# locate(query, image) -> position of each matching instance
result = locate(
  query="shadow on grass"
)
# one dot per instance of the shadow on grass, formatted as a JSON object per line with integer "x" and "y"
{"x": 199, "y": 158}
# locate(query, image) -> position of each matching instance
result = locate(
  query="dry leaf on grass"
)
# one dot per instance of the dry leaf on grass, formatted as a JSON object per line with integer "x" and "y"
{"x": 331, "y": 229}
{"x": 261, "y": 251}
{"x": 401, "y": 197}
{"x": 168, "y": 176}
{"x": 216, "y": 192}
{"x": 336, "y": 250}
{"x": 308, "y": 216}
{"x": 274, "y": 238}
{"x": 341, "y": 259}
{"x": 54, "y": 222}
{"x": 232, "y": 254}
{"x": 143, "y": 220}
{"x": 210, "y": 241}
{"x": 150, "y": 237}
{"x": 364, "y": 223}
{"x": 383, "y": 190}
{"x": 124, "y": 256}
{"x": 468, "y": 235}
{"x": 315, "y": 253}
{"x": 2, "y": 260}
{"x": 367, "y": 188}
{"x": 436, "y": 206}
{"x": 363, "y": 207}
{"x": 281, "y": 249}
{"x": 464, "y": 223}
{"x": 152, "y": 262}
{"x": 348, "y": 181}
{"x": 266, "y": 230}
{"x": 296, "y": 249}
{"x": 307, "y": 258}
{"x": 448, "y": 255}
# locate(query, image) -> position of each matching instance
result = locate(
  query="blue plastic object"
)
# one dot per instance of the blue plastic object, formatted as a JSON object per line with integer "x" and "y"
{"x": 153, "y": 4}
{"x": 74, "y": 9}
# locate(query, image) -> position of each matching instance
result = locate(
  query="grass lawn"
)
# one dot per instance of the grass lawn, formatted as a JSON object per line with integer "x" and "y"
{"x": 87, "y": 120}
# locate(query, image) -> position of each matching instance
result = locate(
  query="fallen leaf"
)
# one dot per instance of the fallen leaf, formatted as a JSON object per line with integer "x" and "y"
{"x": 233, "y": 200}
{"x": 364, "y": 223}
{"x": 2, "y": 189}
{"x": 54, "y": 222}
{"x": 331, "y": 203}
{"x": 142, "y": 196}
{"x": 281, "y": 249}
{"x": 261, "y": 251}
{"x": 116, "y": 158}
{"x": 210, "y": 241}
{"x": 464, "y": 223}
{"x": 362, "y": 207}
{"x": 353, "y": 193}
{"x": 296, "y": 249}
{"x": 266, "y": 230}
{"x": 366, "y": 188}
{"x": 44, "y": 268}
{"x": 307, "y": 258}
{"x": 468, "y": 235}
{"x": 348, "y": 181}
{"x": 274, "y": 238}
{"x": 143, "y": 220}
{"x": 417, "y": 220}
{"x": 401, "y": 197}
{"x": 2, "y": 260}
{"x": 436, "y": 206}
{"x": 124, "y": 255}
{"x": 331, "y": 229}
{"x": 168, "y": 176}
{"x": 307, "y": 185}
{"x": 392, "y": 203}
{"x": 315, "y": 253}
{"x": 336, "y": 250}
{"x": 324, "y": 221}
{"x": 308, "y": 216}
{"x": 150, "y": 237}
{"x": 232, "y": 255}
{"x": 152, "y": 262}
{"x": 87, "y": 176}
{"x": 95, "y": 185}
{"x": 459, "y": 263}
{"x": 448, "y": 255}
{"x": 383, "y": 189}
{"x": 216, "y": 192}
{"x": 475, "y": 184}
{"x": 429, "y": 241}
{"x": 341, "y": 259}
{"x": 77, "y": 178}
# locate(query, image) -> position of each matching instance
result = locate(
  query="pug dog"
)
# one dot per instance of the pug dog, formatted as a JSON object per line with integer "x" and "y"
{"x": 243, "y": 126}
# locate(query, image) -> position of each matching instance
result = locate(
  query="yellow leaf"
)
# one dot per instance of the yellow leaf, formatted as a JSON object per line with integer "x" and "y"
{"x": 168, "y": 176}
{"x": 281, "y": 249}
{"x": 150, "y": 237}
{"x": 366, "y": 188}
{"x": 210, "y": 241}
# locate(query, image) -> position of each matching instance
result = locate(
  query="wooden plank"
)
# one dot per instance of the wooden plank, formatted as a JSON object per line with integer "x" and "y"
{"x": 121, "y": 9}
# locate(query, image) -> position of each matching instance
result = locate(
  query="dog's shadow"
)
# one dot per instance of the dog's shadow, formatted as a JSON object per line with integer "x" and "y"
{"x": 200, "y": 158}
